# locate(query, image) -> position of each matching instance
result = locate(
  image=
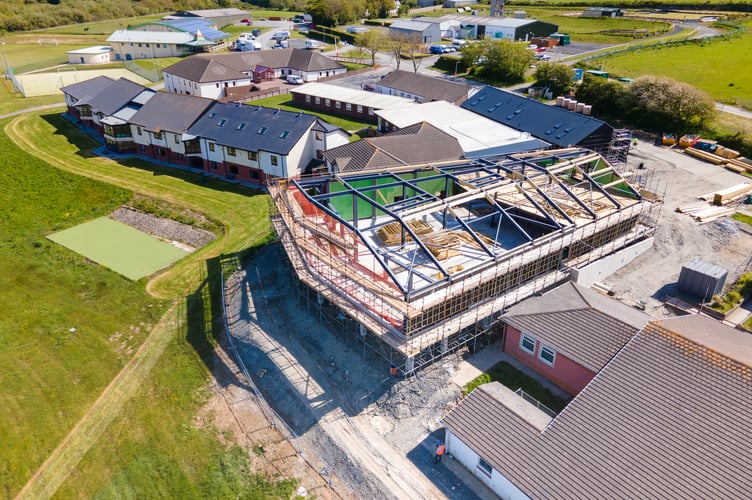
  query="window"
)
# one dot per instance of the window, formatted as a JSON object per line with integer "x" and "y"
{"x": 221, "y": 123}
{"x": 319, "y": 136}
{"x": 275, "y": 161}
{"x": 252, "y": 156}
{"x": 337, "y": 104}
{"x": 370, "y": 111}
{"x": 307, "y": 98}
{"x": 241, "y": 126}
{"x": 230, "y": 151}
{"x": 327, "y": 102}
{"x": 284, "y": 134}
{"x": 212, "y": 114}
{"x": 359, "y": 108}
{"x": 262, "y": 130}
{"x": 485, "y": 467}
{"x": 547, "y": 355}
{"x": 177, "y": 139}
{"x": 348, "y": 107}
{"x": 527, "y": 343}
{"x": 213, "y": 165}
{"x": 318, "y": 100}
{"x": 233, "y": 169}
{"x": 138, "y": 130}
{"x": 160, "y": 152}
{"x": 158, "y": 135}
{"x": 143, "y": 148}
{"x": 254, "y": 174}
{"x": 211, "y": 147}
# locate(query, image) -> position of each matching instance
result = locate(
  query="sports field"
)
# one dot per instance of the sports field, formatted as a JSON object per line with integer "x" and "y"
{"x": 123, "y": 249}
{"x": 36, "y": 84}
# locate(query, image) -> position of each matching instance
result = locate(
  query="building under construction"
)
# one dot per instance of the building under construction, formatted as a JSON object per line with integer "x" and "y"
{"x": 419, "y": 261}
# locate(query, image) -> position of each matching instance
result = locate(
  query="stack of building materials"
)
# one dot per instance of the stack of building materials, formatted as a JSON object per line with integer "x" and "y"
{"x": 731, "y": 194}
{"x": 728, "y": 158}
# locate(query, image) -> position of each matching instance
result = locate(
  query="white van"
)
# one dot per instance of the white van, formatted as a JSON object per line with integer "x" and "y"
{"x": 312, "y": 44}
{"x": 295, "y": 79}
{"x": 281, "y": 35}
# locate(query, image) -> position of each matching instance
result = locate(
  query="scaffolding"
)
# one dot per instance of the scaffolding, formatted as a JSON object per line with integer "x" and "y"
{"x": 619, "y": 147}
{"x": 419, "y": 262}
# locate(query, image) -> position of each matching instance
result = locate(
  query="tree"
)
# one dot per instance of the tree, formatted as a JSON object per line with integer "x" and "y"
{"x": 606, "y": 96}
{"x": 372, "y": 41}
{"x": 401, "y": 44}
{"x": 663, "y": 103}
{"x": 502, "y": 59}
{"x": 559, "y": 78}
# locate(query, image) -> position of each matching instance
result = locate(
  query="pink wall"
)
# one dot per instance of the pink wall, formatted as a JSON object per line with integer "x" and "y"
{"x": 565, "y": 373}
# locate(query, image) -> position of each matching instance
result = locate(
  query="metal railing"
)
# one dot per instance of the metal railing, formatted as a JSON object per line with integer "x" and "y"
{"x": 530, "y": 399}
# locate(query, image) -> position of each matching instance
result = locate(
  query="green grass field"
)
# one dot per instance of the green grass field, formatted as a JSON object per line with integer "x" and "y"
{"x": 119, "y": 247}
{"x": 714, "y": 67}
{"x": 70, "y": 326}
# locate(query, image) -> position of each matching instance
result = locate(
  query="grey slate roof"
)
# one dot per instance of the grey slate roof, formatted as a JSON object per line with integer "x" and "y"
{"x": 417, "y": 144}
{"x": 87, "y": 88}
{"x": 170, "y": 111}
{"x": 431, "y": 89}
{"x": 580, "y": 323}
{"x": 556, "y": 125}
{"x": 114, "y": 96}
{"x": 206, "y": 68}
{"x": 248, "y": 137}
{"x": 668, "y": 417}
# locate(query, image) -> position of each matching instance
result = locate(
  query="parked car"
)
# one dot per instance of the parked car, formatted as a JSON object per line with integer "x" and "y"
{"x": 255, "y": 32}
{"x": 312, "y": 44}
{"x": 370, "y": 87}
{"x": 295, "y": 79}
{"x": 450, "y": 48}
{"x": 281, "y": 35}
{"x": 245, "y": 21}
{"x": 436, "y": 49}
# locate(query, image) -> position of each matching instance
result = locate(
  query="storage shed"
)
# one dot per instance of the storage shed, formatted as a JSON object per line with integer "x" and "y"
{"x": 702, "y": 279}
{"x": 99, "y": 54}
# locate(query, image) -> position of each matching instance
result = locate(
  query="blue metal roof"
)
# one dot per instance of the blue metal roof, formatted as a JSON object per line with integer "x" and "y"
{"x": 191, "y": 25}
{"x": 252, "y": 128}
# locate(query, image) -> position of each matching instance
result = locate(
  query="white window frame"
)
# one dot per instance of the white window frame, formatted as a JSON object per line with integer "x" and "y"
{"x": 550, "y": 350}
{"x": 525, "y": 336}
{"x": 485, "y": 467}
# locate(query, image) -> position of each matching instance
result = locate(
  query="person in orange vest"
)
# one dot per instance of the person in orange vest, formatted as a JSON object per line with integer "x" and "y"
{"x": 440, "y": 449}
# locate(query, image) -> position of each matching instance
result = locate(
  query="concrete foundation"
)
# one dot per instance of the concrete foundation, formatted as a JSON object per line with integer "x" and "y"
{"x": 606, "y": 266}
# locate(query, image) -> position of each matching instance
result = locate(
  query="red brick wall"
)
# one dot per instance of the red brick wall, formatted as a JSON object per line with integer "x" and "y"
{"x": 565, "y": 373}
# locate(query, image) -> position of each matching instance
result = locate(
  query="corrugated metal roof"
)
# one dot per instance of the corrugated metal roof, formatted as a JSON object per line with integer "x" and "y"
{"x": 473, "y": 131}
{"x": 168, "y": 37}
{"x": 668, "y": 417}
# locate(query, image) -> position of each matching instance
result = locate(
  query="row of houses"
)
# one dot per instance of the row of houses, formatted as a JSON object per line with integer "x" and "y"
{"x": 661, "y": 408}
{"x": 248, "y": 143}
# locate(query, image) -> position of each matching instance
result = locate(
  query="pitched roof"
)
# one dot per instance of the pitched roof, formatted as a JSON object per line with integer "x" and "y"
{"x": 430, "y": 88}
{"x": 419, "y": 144}
{"x": 556, "y": 125}
{"x": 252, "y": 128}
{"x": 473, "y": 131}
{"x": 218, "y": 67}
{"x": 169, "y": 37}
{"x": 580, "y": 323}
{"x": 87, "y": 88}
{"x": 115, "y": 96}
{"x": 668, "y": 417}
{"x": 170, "y": 111}
{"x": 410, "y": 25}
{"x": 354, "y": 96}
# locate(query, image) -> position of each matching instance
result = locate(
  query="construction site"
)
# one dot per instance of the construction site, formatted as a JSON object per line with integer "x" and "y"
{"x": 418, "y": 262}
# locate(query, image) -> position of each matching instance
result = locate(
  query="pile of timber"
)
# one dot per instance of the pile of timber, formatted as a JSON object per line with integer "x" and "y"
{"x": 443, "y": 245}
{"x": 391, "y": 234}
{"x": 727, "y": 158}
{"x": 731, "y": 194}
{"x": 704, "y": 211}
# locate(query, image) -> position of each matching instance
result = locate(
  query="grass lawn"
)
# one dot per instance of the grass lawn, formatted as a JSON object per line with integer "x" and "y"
{"x": 284, "y": 101}
{"x": 100, "y": 27}
{"x": 11, "y": 103}
{"x": 24, "y": 57}
{"x": 515, "y": 379}
{"x": 714, "y": 66}
{"x": 70, "y": 325}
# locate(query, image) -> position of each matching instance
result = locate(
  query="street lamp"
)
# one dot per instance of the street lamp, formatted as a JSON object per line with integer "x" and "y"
{"x": 455, "y": 67}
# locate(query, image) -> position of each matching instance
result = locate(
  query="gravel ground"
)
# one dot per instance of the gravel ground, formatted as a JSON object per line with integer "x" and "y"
{"x": 165, "y": 229}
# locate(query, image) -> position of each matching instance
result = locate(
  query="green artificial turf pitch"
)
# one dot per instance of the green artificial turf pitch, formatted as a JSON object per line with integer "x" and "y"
{"x": 123, "y": 249}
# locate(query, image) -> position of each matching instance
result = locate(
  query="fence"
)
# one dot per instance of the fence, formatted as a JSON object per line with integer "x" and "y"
{"x": 153, "y": 75}
{"x": 527, "y": 397}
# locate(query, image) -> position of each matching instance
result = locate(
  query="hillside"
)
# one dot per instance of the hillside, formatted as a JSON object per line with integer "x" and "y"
{"x": 24, "y": 15}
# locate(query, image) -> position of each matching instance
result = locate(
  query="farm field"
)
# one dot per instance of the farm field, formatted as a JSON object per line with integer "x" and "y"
{"x": 75, "y": 325}
{"x": 713, "y": 66}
